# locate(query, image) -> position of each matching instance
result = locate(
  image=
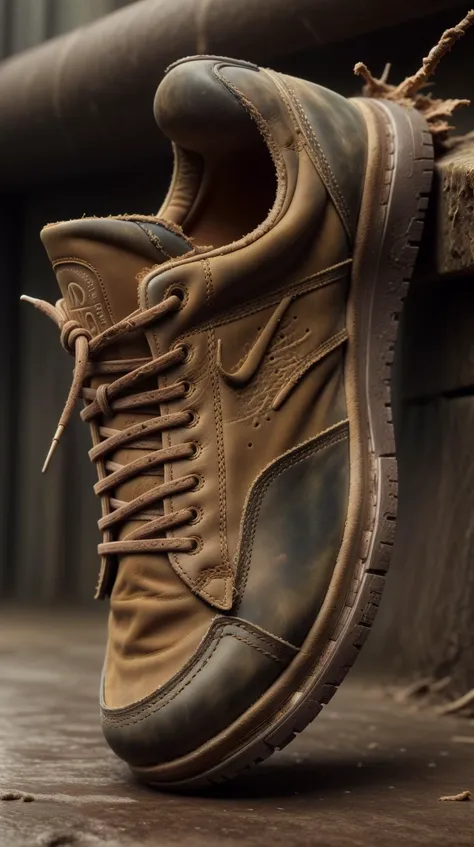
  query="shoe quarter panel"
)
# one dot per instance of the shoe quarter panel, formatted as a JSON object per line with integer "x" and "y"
{"x": 291, "y": 535}
{"x": 290, "y": 399}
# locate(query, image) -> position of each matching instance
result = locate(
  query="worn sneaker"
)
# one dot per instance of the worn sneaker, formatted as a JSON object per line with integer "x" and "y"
{"x": 235, "y": 368}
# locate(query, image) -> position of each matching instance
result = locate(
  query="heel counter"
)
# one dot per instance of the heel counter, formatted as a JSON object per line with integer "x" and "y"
{"x": 337, "y": 138}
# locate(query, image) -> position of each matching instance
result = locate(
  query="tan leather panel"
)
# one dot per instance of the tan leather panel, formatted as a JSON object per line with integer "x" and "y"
{"x": 155, "y": 625}
{"x": 254, "y": 432}
{"x": 228, "y": 289}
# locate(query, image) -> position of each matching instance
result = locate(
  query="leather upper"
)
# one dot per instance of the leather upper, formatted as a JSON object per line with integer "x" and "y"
{"x": 195, "y": 638}
{"x": 301, "y": 250}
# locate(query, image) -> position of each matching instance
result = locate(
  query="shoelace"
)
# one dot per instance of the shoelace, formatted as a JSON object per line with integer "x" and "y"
{"x": 116, "y": 396}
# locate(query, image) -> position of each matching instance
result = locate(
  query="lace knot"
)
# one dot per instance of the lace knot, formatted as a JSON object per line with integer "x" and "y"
{"x": 102, "y": 399}
{"x": 70, "y": 332}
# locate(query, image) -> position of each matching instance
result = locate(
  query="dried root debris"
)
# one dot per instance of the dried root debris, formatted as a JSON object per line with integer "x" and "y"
{"x": 459, "y": 798}
{"x": 459, "y": 705}
{"x": 429, "y": 692}
{"x": 436, "y": 111}
{"x": 416, "y": 689}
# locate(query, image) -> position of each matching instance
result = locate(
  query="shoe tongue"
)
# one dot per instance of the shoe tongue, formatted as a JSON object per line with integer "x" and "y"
{"x": 99, "y": 263}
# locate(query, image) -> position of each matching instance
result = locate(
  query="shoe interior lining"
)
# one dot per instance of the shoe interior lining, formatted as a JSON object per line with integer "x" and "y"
{"x": 235, "y": 194}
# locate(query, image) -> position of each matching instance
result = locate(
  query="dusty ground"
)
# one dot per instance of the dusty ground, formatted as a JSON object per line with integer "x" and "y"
{"x": 367, "y": 772}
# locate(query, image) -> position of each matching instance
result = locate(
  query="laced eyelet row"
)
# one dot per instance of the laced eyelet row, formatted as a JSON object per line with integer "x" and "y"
{"x": 121, "y": 394}
{"x": 196, "y": 449}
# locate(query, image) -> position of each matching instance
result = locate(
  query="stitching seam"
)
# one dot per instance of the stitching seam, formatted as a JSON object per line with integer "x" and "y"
{"x": 254, "y": 504}
{"x": 154, "y": 708}
{"x": 154, "y": 239}
{"x": 223, "y": 570}
{"x": 303, "y": 286}
{"x": 323, "y": 165}
{"x": 220, "y": 437}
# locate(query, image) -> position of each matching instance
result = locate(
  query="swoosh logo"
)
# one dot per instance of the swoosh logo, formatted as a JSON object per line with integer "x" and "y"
{"x": 256, "y": 354}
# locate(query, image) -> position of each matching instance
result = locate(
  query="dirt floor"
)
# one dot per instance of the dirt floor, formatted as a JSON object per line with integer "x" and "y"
{"x": 369, "y": 771}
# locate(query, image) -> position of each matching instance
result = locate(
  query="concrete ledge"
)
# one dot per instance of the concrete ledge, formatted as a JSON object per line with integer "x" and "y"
{"x": 452, "y": 233}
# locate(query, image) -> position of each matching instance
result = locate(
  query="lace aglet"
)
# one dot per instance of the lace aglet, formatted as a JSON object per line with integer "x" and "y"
{"x": 28, "y": 299}
{"x": 54, "y": 444}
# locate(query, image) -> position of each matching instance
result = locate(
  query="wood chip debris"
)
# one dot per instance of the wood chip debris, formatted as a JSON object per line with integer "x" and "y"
{"x": 462, "y": 796}
{"x": 16, "y": 795}
{"x": 10, "y": 795}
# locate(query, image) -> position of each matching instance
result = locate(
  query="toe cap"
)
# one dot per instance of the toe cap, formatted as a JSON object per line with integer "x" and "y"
{"x": 235, "y": 664}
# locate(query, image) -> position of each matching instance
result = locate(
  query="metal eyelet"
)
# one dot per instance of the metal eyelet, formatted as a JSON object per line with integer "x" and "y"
{"x": 198, "y": 482}
{"x": 187, "y": 351}
{"x": 196, "y": 544}
{"x": 179, "y": 292}
{"x": 188, "y": 388}
{"x": 196, "y": 515}
{"x": 196, "y": 449}
{"x": 193, "y": 418}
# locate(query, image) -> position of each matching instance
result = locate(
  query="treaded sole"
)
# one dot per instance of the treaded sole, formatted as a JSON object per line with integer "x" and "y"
{"x": 400, "y": 210}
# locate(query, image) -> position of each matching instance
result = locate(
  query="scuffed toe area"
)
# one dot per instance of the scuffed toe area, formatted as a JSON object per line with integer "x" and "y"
{"x": 233, "y": 667}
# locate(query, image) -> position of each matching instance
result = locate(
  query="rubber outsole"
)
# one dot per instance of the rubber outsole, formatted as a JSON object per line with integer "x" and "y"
{"x": 391, "y": 227}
